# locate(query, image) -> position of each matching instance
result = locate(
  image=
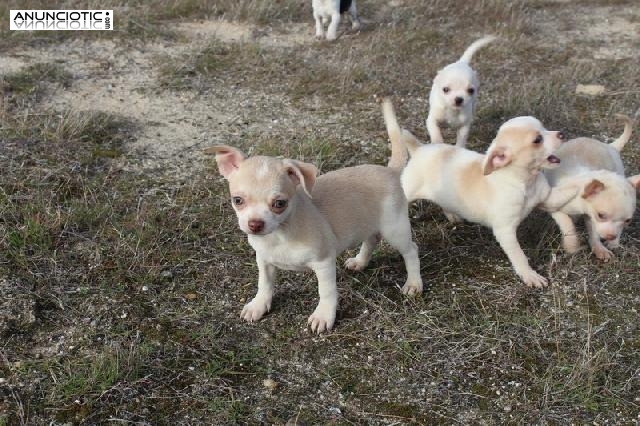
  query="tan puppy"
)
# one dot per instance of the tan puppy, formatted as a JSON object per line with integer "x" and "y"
{"x": 606, "y": 198}
{"x": 498, "y": 189}
{"x": 453, "y": 96}
{"x": 299, "y": 222}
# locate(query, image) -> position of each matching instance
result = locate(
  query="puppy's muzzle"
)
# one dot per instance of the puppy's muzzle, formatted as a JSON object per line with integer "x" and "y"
{"x": 458, "y": 100}
{"x": 256, "y": 225}
{"x": 609, "y": 237}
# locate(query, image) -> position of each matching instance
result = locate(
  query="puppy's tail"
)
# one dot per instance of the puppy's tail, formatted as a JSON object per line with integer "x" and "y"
{"x": 629, "y": 123}
{"x": 398, "y": 150}
{"x": 475, "y": 46}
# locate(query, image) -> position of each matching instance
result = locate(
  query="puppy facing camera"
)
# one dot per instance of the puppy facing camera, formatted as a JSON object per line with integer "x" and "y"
{"x": 453, "y": 96}
{"x": 325, "y": 10}
{"x": 296, "y": 220}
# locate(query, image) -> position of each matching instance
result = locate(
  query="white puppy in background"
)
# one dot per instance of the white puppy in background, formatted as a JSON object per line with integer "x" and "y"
{"x": 453, "y": 96}
{"x": 325, "y": 9}
{"x": 607, "y": 198}
{"x": 497, "y": 190}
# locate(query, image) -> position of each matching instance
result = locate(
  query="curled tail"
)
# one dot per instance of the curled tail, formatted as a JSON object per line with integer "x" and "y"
{"x": 401, "y": 140}
{"x": 622, "y": 140}
{"x": 475, "y": 46}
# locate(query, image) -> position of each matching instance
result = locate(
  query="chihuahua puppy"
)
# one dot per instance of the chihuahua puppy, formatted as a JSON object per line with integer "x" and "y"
{"x": 296, "y": 221}
{"x": 607, "y": 199}
{"x": 325, "y": 9}
{"x": 498, "y": 189}
{"x": 453, "y": 96}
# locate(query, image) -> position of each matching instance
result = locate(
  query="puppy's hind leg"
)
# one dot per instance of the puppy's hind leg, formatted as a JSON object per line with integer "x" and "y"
{"x": 355, "y": 21}
{"x": 319, "y": 25}
{"x": 332, "y": 32}
{"x": 363, "y": 257}
{"x": 398, "y": 234}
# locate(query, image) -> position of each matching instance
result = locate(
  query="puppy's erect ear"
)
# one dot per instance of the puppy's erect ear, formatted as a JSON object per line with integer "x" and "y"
{"x": 227, "y": 157}
{"x": 592, "y": 188}
{"x": 635, "y": 181}
{"x": 302, "y": 173}
{"x": 495, "y": 159}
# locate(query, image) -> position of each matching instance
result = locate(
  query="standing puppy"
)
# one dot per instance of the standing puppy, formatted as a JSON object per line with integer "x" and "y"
{"x": 453, "y": 96}
{"x": 606, "y": 198}
{"x": 295, "y": 221}
{"x": 325, "y": 9}
{"x": 498, "y": 189}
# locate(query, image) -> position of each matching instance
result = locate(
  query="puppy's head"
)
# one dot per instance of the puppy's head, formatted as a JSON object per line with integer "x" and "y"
{"x": 523, "y": 142}
{"x": 456, "y": 85}
{"x": 611, "y": 201}
{"x": 263, "y": 189}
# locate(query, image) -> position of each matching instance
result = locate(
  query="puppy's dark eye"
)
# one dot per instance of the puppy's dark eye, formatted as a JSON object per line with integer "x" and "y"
{"x": 628, "y": 221}
{"x": 445, "y": 89}
{"x": 237, "y": 201}
{"x": 538, "y": 139}
{"x": 280, "y": 204}
{"x": 602, "y": 216}
{"x": 471, "y": 91}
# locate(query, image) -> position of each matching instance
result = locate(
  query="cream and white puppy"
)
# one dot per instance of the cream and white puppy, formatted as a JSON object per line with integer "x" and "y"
{"x": 606, "y": 197}
{"x": 498, "y": 189}
{"x": 325, "y": 9}
{"x": 296, "y": 221}
{"x": 453, "y": 96}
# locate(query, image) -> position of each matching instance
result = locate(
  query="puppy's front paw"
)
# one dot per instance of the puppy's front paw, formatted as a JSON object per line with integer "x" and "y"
{"x": 255, "y": 309}
{"x": 354, "y": 264}
{"x": 533, "y": 279}
{"x": 319, "y": 36}
{"x": 322, "y": 318}
{"x": 412, "y": 288}
{"x": 602, "y": 253}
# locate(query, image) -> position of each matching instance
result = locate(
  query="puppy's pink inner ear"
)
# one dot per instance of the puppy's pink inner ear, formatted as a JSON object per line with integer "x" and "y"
{"x": 594, "y": 187}
{"x": 302, "y": 173}
{"x": 228, "y": 161}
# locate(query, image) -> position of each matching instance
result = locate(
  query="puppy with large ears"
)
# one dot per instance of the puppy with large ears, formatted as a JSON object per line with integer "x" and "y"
{"x": 606, "y": 198}
{"x": 498, "y": 189}
{"x": 453, "y": 96}
{"x": 325, "y": 9}
{"x": 295, "y": 220}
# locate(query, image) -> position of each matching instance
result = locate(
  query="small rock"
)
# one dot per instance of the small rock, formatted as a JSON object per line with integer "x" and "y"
{"x": 590, "y": 89}
{"x": 507, "y": 408}
{"x": 270, "y": 384}
{"x": 190, "y": 296}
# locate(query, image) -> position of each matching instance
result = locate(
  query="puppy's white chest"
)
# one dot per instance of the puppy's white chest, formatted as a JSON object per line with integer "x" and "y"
{"x": 283, "y": 255}
{"x": 456, "y": 117}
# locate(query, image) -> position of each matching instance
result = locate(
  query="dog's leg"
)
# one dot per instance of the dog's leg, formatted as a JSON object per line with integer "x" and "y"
{"x": 462, "y": 135}
{"x": 363, "y": 257}
{"x": 434, "y": 130}
{"x": 355, "y": 21}
{"x": 597, "y": 247}
{"x": 319, "y": 25}
{"x": 570, "y": 241}
{"x": 324, "y": 316}
{"x": 398, "y": 235}
{"x": 506, "y": 236}
{"x": 332, "y": 32}
{"x": 559, "y": 196}
{"x": 261, "y": 304}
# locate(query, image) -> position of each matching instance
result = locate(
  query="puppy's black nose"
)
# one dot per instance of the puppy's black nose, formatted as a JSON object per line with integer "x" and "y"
{"x": 459, "y": 100}
{"x": 256, "y": 225}
{"x": 562, "y": 136}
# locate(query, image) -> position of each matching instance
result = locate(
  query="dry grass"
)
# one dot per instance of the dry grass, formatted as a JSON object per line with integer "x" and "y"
{"x": 127, "y": 287}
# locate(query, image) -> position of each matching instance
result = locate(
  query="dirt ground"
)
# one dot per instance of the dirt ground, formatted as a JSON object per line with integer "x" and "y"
{"x": 123, "y": 272}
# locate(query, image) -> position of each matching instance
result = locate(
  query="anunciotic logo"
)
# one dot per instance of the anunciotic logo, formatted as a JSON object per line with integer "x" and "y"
{"x": 61, "y": 20}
